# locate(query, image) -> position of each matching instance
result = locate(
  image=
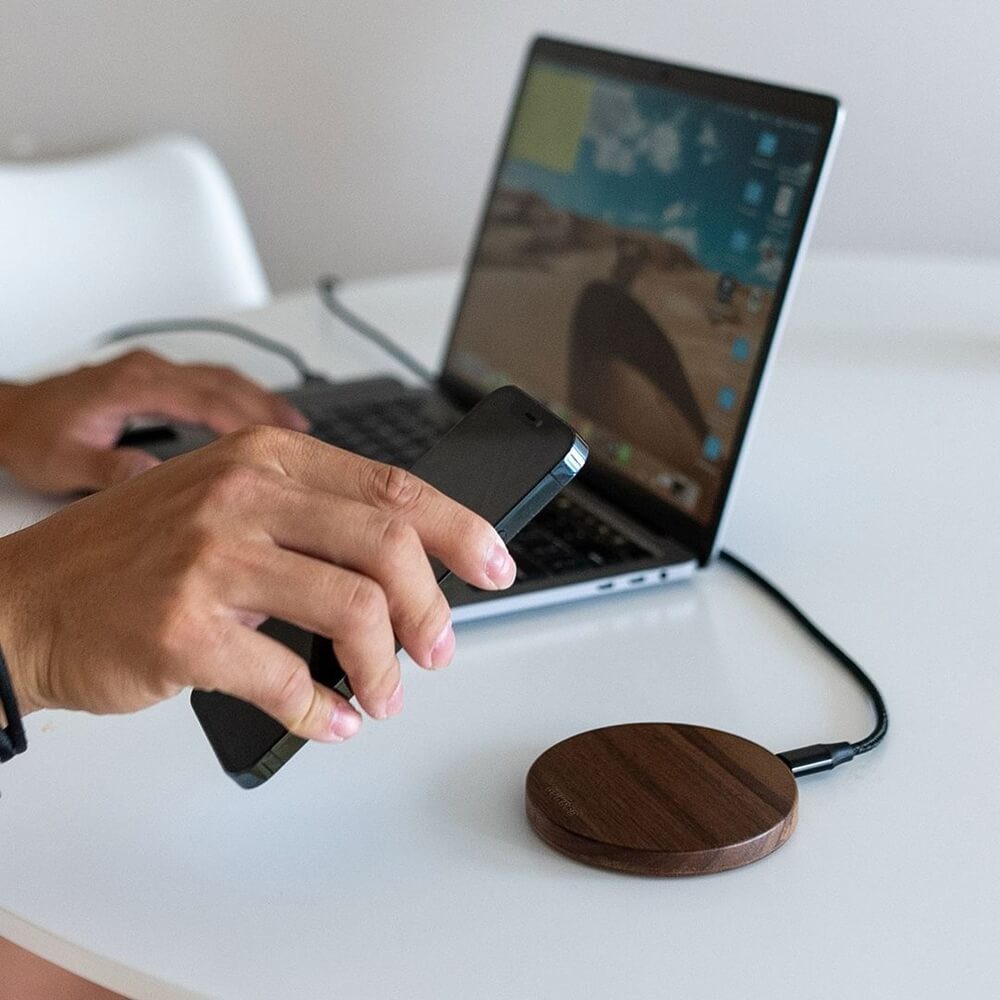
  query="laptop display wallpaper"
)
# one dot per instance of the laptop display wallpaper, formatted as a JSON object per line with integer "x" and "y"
{"x": 627, "y": 268}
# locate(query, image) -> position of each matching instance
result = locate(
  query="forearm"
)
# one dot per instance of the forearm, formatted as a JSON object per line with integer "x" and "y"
{"x": 8, "y": 400}
{"x": 12, "y": 613}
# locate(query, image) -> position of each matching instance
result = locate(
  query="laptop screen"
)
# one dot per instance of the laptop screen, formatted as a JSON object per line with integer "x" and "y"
{"x": 630, "y": 265}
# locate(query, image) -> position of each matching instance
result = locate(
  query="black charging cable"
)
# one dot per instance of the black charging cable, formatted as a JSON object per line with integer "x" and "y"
{"x": 802, "y": 760}
{"x": 821, "y": 756}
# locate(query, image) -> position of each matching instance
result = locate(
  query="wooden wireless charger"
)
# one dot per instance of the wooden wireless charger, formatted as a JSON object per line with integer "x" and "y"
{"x": 661, "y": 799}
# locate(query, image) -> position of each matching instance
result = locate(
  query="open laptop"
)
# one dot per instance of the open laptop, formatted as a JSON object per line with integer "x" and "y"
{"x": 632, "y": 267}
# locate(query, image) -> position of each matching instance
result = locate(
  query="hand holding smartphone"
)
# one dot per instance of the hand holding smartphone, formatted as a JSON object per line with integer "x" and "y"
{"x": 504, "y": 460}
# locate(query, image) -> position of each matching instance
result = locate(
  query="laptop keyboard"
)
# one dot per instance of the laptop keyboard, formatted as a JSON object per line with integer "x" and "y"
{"x": 564, "y": 538}
{"x": 397, "y": 431}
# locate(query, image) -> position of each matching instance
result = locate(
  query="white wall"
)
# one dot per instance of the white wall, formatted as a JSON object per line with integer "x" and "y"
{"x": 360, "y": 134}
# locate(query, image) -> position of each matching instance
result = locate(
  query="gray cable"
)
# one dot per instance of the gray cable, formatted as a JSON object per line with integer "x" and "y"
{"x": 327, "y": 288}
{"x": 198, "y": 324}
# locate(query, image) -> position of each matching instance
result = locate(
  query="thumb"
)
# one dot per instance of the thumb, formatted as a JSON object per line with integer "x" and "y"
{"x": 96, "y": 468}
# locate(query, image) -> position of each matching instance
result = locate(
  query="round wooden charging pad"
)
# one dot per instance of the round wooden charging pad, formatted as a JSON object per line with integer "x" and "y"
{"x": 661, "y": 799}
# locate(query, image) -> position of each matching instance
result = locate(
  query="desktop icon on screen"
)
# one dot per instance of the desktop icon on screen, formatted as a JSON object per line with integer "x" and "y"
{"x": 727, "y": 398}
{"x": 783, "y": 200}
{"x": 753, "y": 193}
{"x": 740, "y": 350}
{"x": 739, "y": 241}
{"x": 767, "y": 144}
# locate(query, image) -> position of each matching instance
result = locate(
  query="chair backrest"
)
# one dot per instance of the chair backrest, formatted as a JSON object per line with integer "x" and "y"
{"x": 150, "y": 231}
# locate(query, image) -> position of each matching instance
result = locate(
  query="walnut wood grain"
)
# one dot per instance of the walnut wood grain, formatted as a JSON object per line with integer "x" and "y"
{"x": 661, "y": 799}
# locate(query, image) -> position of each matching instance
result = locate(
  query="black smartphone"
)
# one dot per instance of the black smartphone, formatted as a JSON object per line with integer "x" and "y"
{"x": 505, "y": 460}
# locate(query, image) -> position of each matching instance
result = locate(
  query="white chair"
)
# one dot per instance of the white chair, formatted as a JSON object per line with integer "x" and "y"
{"x": 150, "y": 231}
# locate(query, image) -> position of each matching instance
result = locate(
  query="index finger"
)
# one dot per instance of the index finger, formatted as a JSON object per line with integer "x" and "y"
{"x": 259, "y": 404}
{"x": 465, "y": 542}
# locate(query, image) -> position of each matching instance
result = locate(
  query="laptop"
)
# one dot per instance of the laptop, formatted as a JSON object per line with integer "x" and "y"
{"x": 632, "y": 267}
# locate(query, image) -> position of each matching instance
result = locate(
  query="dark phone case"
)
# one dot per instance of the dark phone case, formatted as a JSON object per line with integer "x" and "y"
{"x": 505, "y": 459}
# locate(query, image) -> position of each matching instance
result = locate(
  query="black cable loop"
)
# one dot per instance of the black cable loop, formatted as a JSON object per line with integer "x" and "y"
{"x": 852, "y": 666}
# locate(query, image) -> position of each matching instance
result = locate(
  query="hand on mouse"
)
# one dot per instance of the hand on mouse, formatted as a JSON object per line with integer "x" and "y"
{"x": 58, "y": 435}
{"x": 124, "y": 598}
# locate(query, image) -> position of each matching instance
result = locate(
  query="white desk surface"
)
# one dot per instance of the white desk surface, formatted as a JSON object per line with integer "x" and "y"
{"x": 401, "y": 864}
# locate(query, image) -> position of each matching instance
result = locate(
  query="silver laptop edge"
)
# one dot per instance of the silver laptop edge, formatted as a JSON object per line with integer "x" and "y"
{"x": 780, "y": 324}
{"x": 635, "y": 580}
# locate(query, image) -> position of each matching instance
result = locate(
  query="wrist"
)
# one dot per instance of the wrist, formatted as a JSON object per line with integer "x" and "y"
{"x": 15, "y": 631}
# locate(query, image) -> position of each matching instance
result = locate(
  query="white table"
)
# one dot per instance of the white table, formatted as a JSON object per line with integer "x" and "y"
{"x": 401, "y": 864}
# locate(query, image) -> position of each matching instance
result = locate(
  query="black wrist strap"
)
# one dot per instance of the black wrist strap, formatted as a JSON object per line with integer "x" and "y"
{"x": 12, "y": 739}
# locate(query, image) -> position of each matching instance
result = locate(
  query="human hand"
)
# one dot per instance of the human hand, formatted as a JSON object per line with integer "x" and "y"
{"x": 58, "y": 435}
{"x": 126, "y": 597}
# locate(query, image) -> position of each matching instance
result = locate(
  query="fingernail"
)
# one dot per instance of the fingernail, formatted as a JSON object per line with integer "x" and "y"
{"x": 500, "y": 567}
{"x": 395, "y": 703}
{"x": 444, "y": 647}
{"x": 298, "y": 421}
{"x": 344, "y": 721}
